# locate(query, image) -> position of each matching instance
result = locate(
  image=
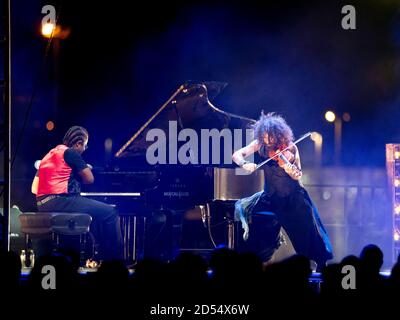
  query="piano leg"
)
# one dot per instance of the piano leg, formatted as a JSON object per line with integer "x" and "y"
{"x": 137, "y": 236}
{"x": 123, "y": 230}
{"x": 134, "y": 252}
{"x": 133, "y": 236}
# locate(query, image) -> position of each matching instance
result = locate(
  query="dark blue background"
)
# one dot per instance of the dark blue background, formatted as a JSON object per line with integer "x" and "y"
{"x": 121, "y": 62}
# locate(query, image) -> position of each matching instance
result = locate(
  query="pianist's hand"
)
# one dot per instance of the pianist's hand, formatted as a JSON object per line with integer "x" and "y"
{"x": 249, "y": 167}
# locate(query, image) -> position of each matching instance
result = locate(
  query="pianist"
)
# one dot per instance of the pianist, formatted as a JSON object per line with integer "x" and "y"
{"x": 57, "y": 189}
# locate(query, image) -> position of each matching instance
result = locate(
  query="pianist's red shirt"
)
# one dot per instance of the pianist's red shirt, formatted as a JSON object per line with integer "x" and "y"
{"x": 58, "y": 172}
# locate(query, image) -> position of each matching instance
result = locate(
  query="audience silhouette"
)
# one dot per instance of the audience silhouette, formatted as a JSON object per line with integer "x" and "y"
{"x": 227, "y": 277}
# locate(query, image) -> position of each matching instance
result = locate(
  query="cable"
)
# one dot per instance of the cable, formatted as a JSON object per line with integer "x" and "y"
{"x": 33, "y": 95}
{"x": 34, "y": 90}
{"x": 209, "y": 225}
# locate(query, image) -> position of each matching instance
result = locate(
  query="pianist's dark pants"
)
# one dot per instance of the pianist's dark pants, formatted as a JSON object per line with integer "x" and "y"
{"x": 105, "y": 224}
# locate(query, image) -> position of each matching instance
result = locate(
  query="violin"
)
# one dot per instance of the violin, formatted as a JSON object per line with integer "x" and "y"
{"x": 286, "y": 157}
{"x": 285, "y": 160}
{"x": 274, "y": 154}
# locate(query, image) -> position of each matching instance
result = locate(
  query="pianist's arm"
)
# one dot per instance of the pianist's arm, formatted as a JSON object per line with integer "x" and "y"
{"x": 35, "y": 184}
{"x": 86, "y": 176}
{"x": 75, "y": 161}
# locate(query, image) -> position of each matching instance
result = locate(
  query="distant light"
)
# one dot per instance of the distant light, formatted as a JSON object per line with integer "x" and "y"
{"x": 108, "y": 144}
{"x": 316, "y": 137}
{"x": 396, "y": 183}
{"x": 330, "y": 116}
{"x": 37, "y": 164}
{"x": 346, "y": 117}
{"x": 47, "y": 29}
{"x": 326, "y": 195}
{"x": 50, "y": 125}
{"x": 397, "y": 155}
{"x": 397, "y": 209}
{"x": 396, "y": 236}
{"x": 351, "y": 193}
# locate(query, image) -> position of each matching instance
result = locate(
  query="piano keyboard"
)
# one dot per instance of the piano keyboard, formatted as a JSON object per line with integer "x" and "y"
{"x": 111, "y": 194}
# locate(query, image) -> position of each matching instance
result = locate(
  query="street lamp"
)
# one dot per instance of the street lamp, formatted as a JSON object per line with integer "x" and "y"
{"x": 48, "y": 29}
{"x": 330, "y": 116}
{"x": 53, "y": 31}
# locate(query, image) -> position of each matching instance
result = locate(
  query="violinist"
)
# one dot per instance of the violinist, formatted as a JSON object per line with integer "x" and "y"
{"x": 283, "y": 193}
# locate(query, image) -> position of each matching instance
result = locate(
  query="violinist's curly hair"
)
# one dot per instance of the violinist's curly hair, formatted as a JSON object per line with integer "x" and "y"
{"x": 276, "y": 127}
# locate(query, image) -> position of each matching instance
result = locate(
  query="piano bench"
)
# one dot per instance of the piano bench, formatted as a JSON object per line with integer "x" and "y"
{"x": 56, "y": 224}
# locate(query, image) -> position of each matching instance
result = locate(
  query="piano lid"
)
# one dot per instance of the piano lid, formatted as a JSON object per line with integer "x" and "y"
{"x": 190, "y": 107}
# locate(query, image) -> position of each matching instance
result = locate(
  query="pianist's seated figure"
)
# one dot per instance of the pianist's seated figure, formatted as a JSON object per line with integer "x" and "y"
{"x": 57, "y": 189}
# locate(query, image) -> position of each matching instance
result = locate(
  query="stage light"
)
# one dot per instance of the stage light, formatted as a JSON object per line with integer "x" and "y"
{"x": 48, "y": 29}
{"x": 392, "y": 169}
{"x": 330, "y": 116}
{"x": 50, "y": 125}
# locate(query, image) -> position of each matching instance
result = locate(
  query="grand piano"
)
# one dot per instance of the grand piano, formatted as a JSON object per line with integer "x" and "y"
{"x": 206, "y": 182}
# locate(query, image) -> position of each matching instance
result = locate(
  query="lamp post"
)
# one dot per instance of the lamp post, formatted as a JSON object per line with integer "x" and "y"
{"x": 338, "y": 140}
{"x": 54, "y": 33}
{"x": 330, "y": 116}
{"x": 317, "y": 138}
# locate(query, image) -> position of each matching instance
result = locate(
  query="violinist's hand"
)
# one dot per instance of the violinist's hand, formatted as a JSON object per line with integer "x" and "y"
{"x": 292, "y": 170}
{"x": 249, "y": 167}
{"x": 288, "y": 167}
{"x": 288, "y": 154}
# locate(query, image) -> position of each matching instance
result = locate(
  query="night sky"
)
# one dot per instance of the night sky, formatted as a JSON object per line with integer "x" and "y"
{"x": 120, "y": 63}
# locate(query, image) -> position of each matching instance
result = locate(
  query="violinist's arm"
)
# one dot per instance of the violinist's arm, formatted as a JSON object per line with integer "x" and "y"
{"x": 239, "y": 156}
{"x": 294, "y": 170}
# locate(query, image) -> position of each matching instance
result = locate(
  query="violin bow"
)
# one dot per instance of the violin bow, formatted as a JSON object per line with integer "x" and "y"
{"x": 288, "y": 147}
